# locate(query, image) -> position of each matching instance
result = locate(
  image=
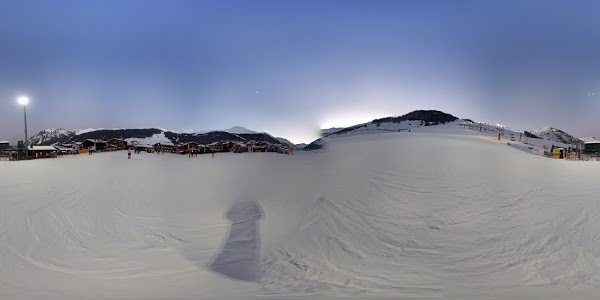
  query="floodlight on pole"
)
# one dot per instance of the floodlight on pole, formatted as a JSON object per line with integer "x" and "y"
{"x": 23, "y": 100}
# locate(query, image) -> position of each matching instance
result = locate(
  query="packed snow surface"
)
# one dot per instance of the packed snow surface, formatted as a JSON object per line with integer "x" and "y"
{"x": 437, "y": 212}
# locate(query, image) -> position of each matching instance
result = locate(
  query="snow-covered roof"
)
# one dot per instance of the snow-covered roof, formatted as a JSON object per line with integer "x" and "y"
{"x": 589, "y": 139}
{"x": 42, "y": 148}
{"x": 3, "y": 142}
{"x": 96, "y": 141}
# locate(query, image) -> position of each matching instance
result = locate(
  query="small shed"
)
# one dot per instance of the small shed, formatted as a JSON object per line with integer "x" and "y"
{"x": 77, "y": 146}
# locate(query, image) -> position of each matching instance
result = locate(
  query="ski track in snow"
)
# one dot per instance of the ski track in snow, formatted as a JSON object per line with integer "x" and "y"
{"x": 397, "y": 215}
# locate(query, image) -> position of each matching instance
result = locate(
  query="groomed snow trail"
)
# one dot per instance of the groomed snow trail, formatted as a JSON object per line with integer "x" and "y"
{"x": 399, "y": 215}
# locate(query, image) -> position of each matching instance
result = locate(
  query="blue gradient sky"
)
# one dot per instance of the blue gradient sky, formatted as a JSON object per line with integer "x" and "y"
{"x": 199, "y": 64}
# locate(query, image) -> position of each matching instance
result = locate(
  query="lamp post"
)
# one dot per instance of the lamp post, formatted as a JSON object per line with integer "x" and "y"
{"x": 24, "y": 101}
{"x": 500, "y": 129}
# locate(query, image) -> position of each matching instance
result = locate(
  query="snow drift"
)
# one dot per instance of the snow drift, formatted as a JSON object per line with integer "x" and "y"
{"x": 451, "y": 214}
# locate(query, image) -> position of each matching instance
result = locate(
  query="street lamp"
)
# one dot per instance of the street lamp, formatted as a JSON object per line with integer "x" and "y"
{"x": 24, "y": 101}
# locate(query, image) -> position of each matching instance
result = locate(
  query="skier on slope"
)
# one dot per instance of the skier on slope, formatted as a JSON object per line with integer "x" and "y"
{"x": 129, "y": 153}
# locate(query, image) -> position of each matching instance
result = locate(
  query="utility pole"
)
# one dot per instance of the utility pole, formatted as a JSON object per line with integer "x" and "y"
{"x": 24, "y": 101}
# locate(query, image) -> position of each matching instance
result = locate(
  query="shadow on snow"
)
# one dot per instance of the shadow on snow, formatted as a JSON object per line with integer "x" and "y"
{"x": 239, "y": 255}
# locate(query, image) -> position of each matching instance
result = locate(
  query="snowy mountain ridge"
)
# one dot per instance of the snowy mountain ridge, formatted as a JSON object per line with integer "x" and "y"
{"x": 50, "y": 134}
{"x": 152, "y": 136}
{"x": 328, "y": 131}
{"x": 232, "y": 130}
{"x": 414, "y": 119}
{"x": 547, "y": 136}
{"x": 238, "y": 130}
{"x": 555, "y": 134}
{"x": 285, "y": 142}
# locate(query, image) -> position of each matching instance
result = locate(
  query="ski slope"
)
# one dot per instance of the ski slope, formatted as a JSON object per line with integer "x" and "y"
{"x": 438, "y": 212}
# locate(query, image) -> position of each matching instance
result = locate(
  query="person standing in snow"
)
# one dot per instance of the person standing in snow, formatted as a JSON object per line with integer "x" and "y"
{"x": 129, "y": 153}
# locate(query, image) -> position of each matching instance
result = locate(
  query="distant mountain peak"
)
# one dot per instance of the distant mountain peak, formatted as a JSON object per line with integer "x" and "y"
{"x": 239, "y": 130}
{"x": 232, "y": 130}
{"x": 555, "y": 134}
{"x": 433, "y": 117}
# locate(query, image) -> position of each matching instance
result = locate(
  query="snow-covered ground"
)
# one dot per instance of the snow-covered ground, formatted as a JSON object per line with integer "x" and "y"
{"x": 436, "y": 212}
{"x": 456, "y": 126}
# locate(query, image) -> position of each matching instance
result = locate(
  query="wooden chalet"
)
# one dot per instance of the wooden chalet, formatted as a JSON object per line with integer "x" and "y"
{"x": 272, "y": 148}
{"x": 215, "y": 147}
{"x": 164, "y": 147}
{"x": 191, "y": 147}
{"x": 240, "y": 148}
{"x": 144, "y": 148}
{"x": 65, "y": 149}
{"x": 112, "y": 147}
{"x": 94, "y": 145}
{"x": 118, "y": 143}
{"x": 257, "y": 148}
{"x": 228, "y": 147}
{"x": 41, "y": 152}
